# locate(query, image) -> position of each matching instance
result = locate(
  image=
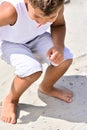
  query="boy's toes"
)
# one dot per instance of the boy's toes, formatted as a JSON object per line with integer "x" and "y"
{"x": 69, "y": 99}
{"x": 13, "y": 119}
{"x": 8, "y": 120}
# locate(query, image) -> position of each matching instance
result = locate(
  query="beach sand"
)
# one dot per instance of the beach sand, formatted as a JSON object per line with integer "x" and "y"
{"x": 37, "y": 111}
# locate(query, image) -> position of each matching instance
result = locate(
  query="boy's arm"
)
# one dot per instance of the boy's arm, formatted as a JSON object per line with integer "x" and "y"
{"x": 8, "y": 14}
{"x": 58, "y": 30}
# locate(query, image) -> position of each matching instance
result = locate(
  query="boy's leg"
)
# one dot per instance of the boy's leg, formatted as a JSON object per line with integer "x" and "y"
{"x": 19, "y": 85}
{"x": 52, "y": 75}
{"x": 28, "y": 70}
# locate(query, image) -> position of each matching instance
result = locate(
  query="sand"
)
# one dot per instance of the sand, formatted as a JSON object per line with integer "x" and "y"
{"x": 37, "y": 111}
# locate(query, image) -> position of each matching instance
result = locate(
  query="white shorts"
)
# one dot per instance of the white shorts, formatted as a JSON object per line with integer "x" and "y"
{"x": 27, "y": 58}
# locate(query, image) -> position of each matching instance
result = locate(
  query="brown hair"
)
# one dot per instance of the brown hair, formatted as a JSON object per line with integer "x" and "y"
{"x": 47, "y": 6}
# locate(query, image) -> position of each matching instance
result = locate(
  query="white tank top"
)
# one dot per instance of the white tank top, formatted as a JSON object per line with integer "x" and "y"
{"x": 25, "y": 29}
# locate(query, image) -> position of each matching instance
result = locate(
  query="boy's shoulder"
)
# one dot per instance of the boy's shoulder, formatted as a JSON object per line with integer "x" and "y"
{"x": 8, "y": 13}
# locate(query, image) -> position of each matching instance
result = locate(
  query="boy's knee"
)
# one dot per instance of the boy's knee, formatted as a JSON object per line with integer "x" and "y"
{"x": 68, "y": 62}
{"x": 33, "y": 77}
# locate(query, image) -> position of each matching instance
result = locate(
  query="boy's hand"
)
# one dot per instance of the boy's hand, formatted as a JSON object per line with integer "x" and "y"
{"x": 55, "y": 56}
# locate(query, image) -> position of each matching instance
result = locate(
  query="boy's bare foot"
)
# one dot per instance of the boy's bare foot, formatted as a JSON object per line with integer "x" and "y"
{"x": 8, "y": 113}
{"x": 60, "y": 93}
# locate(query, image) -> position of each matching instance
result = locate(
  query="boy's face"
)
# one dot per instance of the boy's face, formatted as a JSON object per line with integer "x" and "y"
{"x": 37, "y": 15}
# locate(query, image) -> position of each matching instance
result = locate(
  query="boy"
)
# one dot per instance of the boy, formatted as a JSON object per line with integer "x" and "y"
{"x": 23, "y": 25}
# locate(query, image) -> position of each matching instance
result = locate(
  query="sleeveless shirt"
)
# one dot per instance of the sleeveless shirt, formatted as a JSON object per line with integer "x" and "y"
{"x": 25, "y": 29}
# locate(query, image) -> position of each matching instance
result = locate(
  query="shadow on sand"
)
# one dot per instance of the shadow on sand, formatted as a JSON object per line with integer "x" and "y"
{"x": 73, "y": 112}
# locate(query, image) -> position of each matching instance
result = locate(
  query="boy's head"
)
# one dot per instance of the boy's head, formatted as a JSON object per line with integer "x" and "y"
{"x": 43, "y": 11}
{"x": 46, "y": 6}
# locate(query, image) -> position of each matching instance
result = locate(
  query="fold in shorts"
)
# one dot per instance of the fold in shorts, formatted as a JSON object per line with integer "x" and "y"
{"x": 28, "y": 58}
